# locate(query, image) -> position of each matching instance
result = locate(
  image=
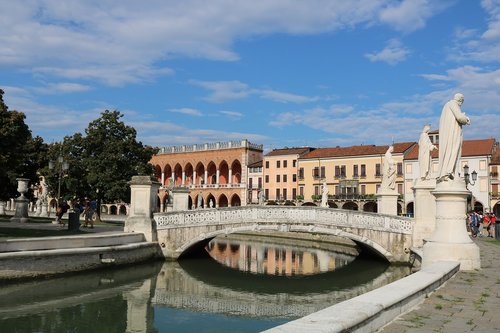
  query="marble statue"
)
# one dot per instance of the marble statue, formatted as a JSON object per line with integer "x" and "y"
{"x": 450, "y": 138}
{"x": 425, "y": 147}
{"x": 211, "y": 203}
{"x": 200, "y": 201}
{"x": 262, "y": 197}
{"x": 170, "y": 188}
{"x": 389, "y": 175}
{"x": 324, "y": 195}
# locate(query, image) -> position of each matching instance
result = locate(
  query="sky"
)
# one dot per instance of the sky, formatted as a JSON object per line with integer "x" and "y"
{"x": 280, "y": 73}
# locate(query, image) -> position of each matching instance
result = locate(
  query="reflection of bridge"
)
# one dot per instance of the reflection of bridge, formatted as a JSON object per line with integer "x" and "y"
{"x": 390, "y": 236}
{"x": 185, "y": 289}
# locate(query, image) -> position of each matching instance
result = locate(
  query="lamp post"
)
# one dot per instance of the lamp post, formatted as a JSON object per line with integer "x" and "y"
{"x": 467, "y": 176}
{"x": 61, "y": 167}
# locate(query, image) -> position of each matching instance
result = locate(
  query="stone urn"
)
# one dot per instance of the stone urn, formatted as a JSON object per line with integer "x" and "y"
{"x": 21, "y": 214}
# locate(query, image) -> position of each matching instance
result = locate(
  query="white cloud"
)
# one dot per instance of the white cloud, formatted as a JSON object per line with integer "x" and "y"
{"x": 410, "y": 15}
{"x": 223, "y": 90}
{"x": 187, "y": 111}
{"x": 62, "y": 88}
{"x": 284, "y": 97}
{"x": 117, "y": 42}
{"x": 392, "y": 54}
{"x": 232, "y": 114}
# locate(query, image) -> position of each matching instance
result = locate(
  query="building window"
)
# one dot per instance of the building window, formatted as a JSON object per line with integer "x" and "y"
{"x": 285, "y": 178}
{"x": 277, "y": 194}
{"x": 342, "y": 171}
{"x": 315, "y": 173}
{"x": 355, "y": 171}
{"x": 400, "y": 188}
{"x": 301, "y": 173}
{"x": 267, "y": 178}
{"x": 337, "y": 171}
{"x": 285, "y": 164}
{"x": 363, "y": 189}
{"x": 294, "y": 177}
{"x": 377, "y": 170}
{"x": 260, "y": 182}
{"x": 250, "y": 182}
{"x": 323, "y": 172}
{"x": 337, "y": 190}
{"x": 267, "y": 164}
{"x": 278, "y": 164}
{"x": 294, "y": 193}
{"x": 400, "y": 168}
{"x": 294, "y": 163}
{"x": 301, "y": 190}
{"x": 284, "y": 194}
{"x": 267, "y": 194}
{"x": 277, "y": 178}
{"x": 363, "y": 170}
{"x": 316, "y": 190}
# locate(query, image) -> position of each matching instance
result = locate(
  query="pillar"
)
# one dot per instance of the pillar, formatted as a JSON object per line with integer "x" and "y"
{"x": 194, "y": 178}
{"x": 142, "y": 205}
{"x": 162, "y": 178}
{"x": 217, "y": 173}
{"x": 181, "y": 198}
{"x": 425, "y": 211}
{"x": 206, "y": 178}
{"x": 387, "y": 202}
{"x": 230, "y": 177}
{"x": 450, "y": 240}
{"x": 183, "y": 178}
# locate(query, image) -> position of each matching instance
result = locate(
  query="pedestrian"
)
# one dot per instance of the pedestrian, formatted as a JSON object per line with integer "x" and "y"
{"x": 493, "y": 220}
{"x": 88, "y": 213}
{"x": 487, "y": 224}
{"x": 61, "y": 210}
{"x": 474, "y": 225}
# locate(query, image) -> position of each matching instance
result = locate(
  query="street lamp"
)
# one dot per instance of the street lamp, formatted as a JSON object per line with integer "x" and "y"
{"x": 62, "y": 166}
{"x": 467, "y": 176}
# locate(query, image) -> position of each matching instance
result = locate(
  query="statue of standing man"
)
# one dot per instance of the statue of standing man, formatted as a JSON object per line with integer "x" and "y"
{"x": 389, "y": 175}
{"x": 450, "y": 138}
{"x": 425, "y": 147}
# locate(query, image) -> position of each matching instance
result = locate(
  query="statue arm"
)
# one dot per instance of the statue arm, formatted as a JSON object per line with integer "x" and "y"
{"x": 459, "y": 115}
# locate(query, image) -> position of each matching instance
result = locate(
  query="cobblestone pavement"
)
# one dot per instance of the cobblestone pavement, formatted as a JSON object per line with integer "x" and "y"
{"x": 468, "y": 302}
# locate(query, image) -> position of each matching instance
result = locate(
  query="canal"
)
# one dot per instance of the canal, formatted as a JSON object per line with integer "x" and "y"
{"x": 239, "y": 283}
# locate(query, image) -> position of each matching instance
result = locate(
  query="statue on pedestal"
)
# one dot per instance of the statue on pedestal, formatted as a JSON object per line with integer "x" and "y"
{"x": 450, "y": 138}
{"x": 425, "y": 147}
{"x": 262, "y": 197}
{"x": 199, "y": 204}
{"x": 324, "y": 195}
{"x": 389, "y": 175}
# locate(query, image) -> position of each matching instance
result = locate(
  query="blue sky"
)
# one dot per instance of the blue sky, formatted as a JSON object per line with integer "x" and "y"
{"x": 276, "y": 72}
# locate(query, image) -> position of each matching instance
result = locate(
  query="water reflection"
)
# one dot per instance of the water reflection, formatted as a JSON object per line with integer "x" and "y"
{"x": 185, "y": 296}
{"x": 277, "y": 259}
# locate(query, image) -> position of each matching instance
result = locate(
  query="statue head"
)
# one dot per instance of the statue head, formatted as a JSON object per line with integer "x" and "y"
{"x": 459, "y": 98}
{"x": 427, "y": 128}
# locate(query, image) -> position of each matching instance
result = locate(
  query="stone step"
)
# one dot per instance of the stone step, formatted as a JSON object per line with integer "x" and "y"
{"x": 70, "y": 242}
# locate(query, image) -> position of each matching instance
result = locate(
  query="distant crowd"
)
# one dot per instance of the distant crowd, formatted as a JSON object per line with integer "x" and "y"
{"x": 87, "y": 210}
{"x": 479, "y": 222}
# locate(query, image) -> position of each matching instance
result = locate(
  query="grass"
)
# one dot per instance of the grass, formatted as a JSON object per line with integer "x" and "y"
{"x": 439, "y": 306}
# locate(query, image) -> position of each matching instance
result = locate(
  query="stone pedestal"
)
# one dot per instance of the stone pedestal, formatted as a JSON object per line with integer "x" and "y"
{"x": 425, "y": 211}
{"x": 181, "y": 198}
{"x": 387, "y": 202}
{"x": 44, "y": 212}
{"x": 142, "y": 205}
{"x": 450, "y": 240}
{"x": 22, "y": 204}
{"x": 2, "y": 207}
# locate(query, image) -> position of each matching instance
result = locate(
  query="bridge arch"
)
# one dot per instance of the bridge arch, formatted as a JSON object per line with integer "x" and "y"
{"x": 390, "y": 236}
{"x": 351, "y": 205}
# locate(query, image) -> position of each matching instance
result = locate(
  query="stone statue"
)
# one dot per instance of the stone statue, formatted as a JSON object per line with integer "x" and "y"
{"x": 170, "y": 188}
{"x": 324, "y": 195}
{"x": 389, "y": 175}
{"x": 262, "y": 197}
{"x": 450, "y": 138}
{"x": 425, "y": 147}
{"x": 211, "y": 203}
{"x": 200, "y": 201}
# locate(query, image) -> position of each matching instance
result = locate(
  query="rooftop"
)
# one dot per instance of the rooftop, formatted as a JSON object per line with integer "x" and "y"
{"x": 399, "y": 148}
{"x": 470, "y": 148}
{"x": 290, "y": 151}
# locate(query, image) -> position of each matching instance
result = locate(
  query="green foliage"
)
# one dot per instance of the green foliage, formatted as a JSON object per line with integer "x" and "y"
{"x": 105, "y": 160}
{"x": 20, "y": 154}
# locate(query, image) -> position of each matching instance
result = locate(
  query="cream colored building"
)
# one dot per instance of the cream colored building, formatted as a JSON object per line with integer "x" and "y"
{"x": 353, "y": 175}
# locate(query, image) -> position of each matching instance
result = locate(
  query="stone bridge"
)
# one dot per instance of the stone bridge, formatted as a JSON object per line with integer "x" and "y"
{"x": 387, "y": 235}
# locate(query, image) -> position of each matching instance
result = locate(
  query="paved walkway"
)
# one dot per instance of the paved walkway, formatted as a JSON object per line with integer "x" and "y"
{"x": 98, "y": 227}
{"x": 468, "y": 302}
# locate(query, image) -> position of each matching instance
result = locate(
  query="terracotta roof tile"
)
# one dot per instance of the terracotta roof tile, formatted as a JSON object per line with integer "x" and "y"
{"x": 255, "y": 164}
{"x": 399, "y": 148}
{"x": 481, "y": 147}
{"x": 289, "y": 151}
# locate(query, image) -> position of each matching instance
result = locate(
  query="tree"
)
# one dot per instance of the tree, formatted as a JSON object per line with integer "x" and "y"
{"x": 106, "y": 159}
{"x": 19, "y": 152}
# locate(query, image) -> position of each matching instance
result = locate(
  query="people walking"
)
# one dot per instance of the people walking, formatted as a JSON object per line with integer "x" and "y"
{"x": 88, "y": 213}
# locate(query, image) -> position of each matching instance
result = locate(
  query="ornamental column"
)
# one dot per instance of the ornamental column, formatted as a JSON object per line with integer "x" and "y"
{"x": 230, "y": 177}
{"x": 217, "y": 177}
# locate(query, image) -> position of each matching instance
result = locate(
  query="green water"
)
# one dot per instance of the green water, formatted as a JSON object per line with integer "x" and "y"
{"x": 193, "y": 295}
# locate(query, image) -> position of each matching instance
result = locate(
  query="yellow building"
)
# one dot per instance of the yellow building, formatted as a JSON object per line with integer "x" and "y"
{"x": 353, "y": 175}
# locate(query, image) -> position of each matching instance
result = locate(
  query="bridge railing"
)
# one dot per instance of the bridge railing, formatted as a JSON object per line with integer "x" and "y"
{"x": 313, "y": 216}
